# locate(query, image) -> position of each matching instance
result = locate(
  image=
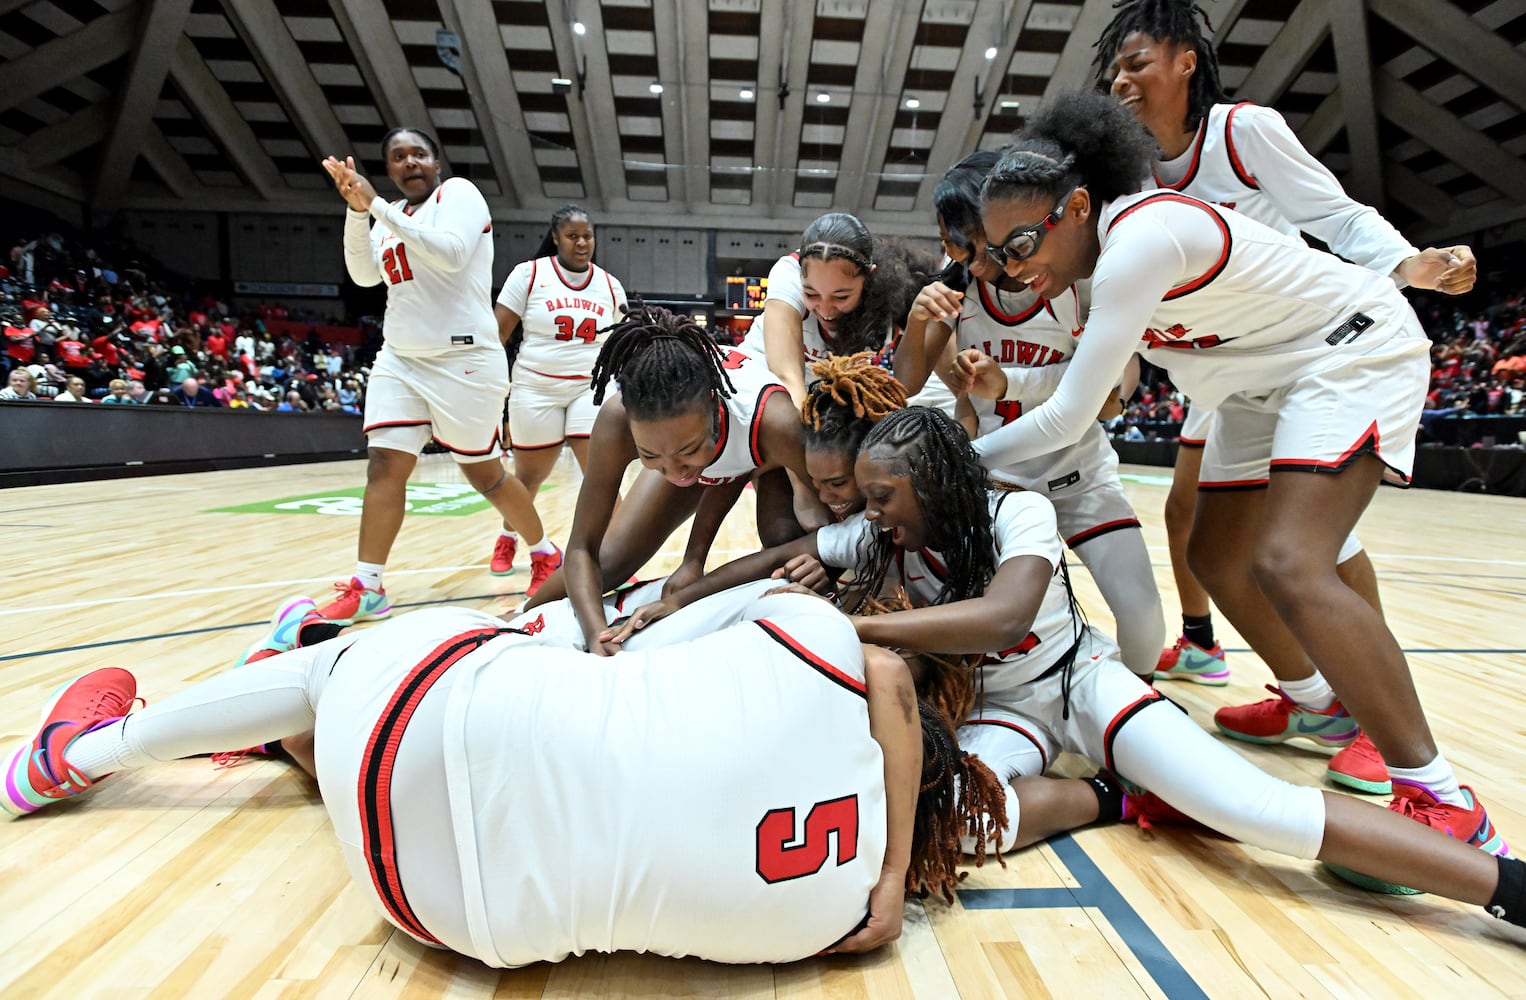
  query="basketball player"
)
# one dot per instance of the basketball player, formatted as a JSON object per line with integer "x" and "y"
{"x": 1000, "y": 318}
{"x": 988, "y": 566}
{"x": 842, "y": 292}
{"x": 442, "y": 372}
{"x": 458, "y": 759}
{"x": 566, "y": 304}
{"x": 1158, "y": 63}
{"x": 1318, "y": 369}
{"x": 704, "y": 421}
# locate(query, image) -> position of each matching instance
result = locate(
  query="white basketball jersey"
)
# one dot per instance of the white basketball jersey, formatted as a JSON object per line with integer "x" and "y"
{"x": 1246, "y": 158}
{"x": 566, "y": 316}
{"x": 738, "y": 452}
{"x": 1024, "y": 331}
{"x": 592, "y": 814}
{"x": 1022, "y": 524}
{"x": 433, "y": 309}
{"x": 1268, "y": 310}
{"x": 784, "y": 285}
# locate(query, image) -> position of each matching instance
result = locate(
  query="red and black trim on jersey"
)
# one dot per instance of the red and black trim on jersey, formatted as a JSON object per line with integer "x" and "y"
{"x": 562, "y": 276}
{"x": 368, "y": 428}
{"x": 1097, "y": 531}
{"x": 1370, "y": 442}
{"x": 493, "y": 446}
{"x": 1192, "y": 167}
{"x": 1113, "y": 727}
{"x": 1207, "y": 276}
{"x": 755, "y": 432}
{"x": 1232, "y": 485}
{"x": 832, "y": 673}
{"x": 1021, "y": 731}
{"x": 723, "y": 431}
{"x": 378, "y": 761}
{"x": 1235, "y": 164}
{"x": 989, "y": 303}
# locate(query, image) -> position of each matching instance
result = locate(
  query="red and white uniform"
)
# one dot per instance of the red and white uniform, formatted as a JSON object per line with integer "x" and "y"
{"x": 1325, "y": 358}
{"x": 441, "y": 370}
{"x": 563, "y": 315}
{"x": 738, "y": 453}
{"x": 784, "y": 286}
{"x": 519, "y": 803}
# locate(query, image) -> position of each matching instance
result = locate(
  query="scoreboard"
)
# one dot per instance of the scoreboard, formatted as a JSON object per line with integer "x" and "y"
{"x": 745, "y": 292}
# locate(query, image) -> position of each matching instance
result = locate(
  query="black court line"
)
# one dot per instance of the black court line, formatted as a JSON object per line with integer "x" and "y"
{"x": 1096, "y": 891}
{"x": 229, "y": 628}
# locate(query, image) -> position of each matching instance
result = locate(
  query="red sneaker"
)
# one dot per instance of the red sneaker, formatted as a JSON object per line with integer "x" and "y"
{"x": 38, "y": 773}
{"x": 356, "y": 602}
{"x": 542, "y": 565}
{"x": 1469, "y": 823}
{"x": 1361, "y": 767}
{"x": 503, "y": 556}
{"x": 1278, "y": 719}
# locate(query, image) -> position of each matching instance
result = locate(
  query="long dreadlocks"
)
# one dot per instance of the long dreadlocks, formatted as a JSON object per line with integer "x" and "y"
{"x": 665, "y": 364}
{"x": 1176, "y": 22}
{"x": 851, "y": 396}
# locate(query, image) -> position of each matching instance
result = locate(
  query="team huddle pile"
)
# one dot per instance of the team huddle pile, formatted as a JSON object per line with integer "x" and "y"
{"x": 887, "y": 681}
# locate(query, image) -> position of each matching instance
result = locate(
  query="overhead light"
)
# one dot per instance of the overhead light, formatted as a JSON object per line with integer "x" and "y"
{"x": 655, "y": 87}
{"x": 746, "y": 94}
{"x": 561, "y": 85}
{"x": 991, "y": 52}
{"x": 579, "y": 28}
{"x": 913, "y": 103}
{"x": 823, "y": 98}
{"x": 1011, "y": 105}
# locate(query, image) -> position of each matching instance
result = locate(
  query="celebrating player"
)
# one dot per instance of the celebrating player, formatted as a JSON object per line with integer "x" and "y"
{"x": 1158, "y": 63}
{"x": 565, "y": 305}
{"x": 442, "y": 372}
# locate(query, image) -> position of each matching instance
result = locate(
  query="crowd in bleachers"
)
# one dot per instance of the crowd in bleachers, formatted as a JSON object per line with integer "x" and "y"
{"x": 85, "y": 324}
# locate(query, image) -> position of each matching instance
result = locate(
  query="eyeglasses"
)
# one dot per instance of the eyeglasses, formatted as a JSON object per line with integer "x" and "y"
{"x": 1026, "y": 242}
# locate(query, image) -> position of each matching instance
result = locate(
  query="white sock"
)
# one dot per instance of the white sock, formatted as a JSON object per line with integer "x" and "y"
{"x": 101, "y": 752}
{"x": 370, "y": 574}
{"x": 544, "y": 547}
{"x": 1311, "y": 692}
{"x": 1438, "y": 776}
{"x": 506, "y": 533}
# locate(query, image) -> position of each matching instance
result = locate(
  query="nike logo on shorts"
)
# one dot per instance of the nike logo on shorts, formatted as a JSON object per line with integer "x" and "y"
{"x": 471, "y": 371}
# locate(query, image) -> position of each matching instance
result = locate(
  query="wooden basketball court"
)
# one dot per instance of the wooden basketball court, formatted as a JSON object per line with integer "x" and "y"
{"x": 188, "y": 881}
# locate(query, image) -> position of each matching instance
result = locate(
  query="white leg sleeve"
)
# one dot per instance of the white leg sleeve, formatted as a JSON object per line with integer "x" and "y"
{"x": 1120, "y": 566}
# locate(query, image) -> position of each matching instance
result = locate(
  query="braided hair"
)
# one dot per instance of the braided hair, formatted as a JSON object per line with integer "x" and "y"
{"x": 559, "y": 218}
{"x": 950, "y": 486}
{"x": 1176, "y": 22}
{"x": 890, "y": 286}
{"x": 664, "y": 363}
{"x": 956, "y": 200}
{"x": 958, "y": 794}
{"x": 1079, "y": 139}
{"x": 853, "y": 394}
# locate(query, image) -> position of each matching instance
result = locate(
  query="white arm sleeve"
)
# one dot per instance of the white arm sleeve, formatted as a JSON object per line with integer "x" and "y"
{"x": 784, "y": 283}
{"x": 515, "y": 294}
{"x": 1152, "y": 250}
{"x": 1311, "y": 197}
{"x": 461, "y": 216}
{"x": 359, "y": 256}
{"x": 844, "y": 545}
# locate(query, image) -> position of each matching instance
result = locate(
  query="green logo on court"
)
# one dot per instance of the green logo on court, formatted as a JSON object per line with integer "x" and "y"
{"x": 449, "y": 499}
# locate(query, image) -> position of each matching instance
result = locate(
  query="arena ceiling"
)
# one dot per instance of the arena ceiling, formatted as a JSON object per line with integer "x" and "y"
{"x": 769, "y": 111}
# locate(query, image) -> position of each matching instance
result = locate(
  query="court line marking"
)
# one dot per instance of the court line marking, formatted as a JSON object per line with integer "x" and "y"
{"x": 1095, "y": 890}
{"x": 1410, "y": 557}
{"x": 229, "y": 628}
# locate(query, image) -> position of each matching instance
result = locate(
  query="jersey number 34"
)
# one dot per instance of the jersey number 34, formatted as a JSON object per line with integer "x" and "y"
{"x": 586, "y": 331}
{"x": 780, "y": 858}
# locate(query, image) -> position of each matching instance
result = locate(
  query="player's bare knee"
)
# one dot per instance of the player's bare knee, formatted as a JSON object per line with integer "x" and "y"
{"x": 384, "y": 466}
{"x": 1285, "y": 572}
{"x": 1180, "y": 507}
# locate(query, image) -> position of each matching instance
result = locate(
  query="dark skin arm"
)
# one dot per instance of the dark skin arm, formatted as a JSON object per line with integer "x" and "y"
{"x": 508, "y": 322}
{"x": 781, "y": 443}
{"x": 714, "y": 505}
{"x": 998, "y": 619}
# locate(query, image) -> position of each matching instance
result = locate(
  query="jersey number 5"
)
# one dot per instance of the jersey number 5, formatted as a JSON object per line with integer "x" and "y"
{"x": 395, "y": 263}
{"x": 587, "y": 331}
{"x": 779, "y": 860}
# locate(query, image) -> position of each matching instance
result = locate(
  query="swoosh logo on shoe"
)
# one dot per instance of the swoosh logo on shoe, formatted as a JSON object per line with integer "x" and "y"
{"x": 1318, "y": 726}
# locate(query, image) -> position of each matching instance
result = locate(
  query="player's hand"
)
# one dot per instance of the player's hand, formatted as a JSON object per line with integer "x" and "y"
{"x": 685, "y": 575}
{"x": 937, "y": 301}
{"x": 1451, "y": 270}
{"x": 979, "y": 375}
{"x": 806, "y": 571}
{"x": 638, "y": 620}
{"x": 887, "y": 903}
{"x": 356, "y": 191}
{"x": 598, "y": 647}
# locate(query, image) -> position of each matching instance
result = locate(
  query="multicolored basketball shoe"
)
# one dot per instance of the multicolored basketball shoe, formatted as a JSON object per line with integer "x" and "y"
{"x": 1279, "y": 719}
{"x": 286, "y": 628}
{"x": 1360, "y": 767}
{"x": 503, "y": 556}
{"x": 356, "y": 603}
{"x": 38, "y": 773}
{"x": 542, "y": 566}
{"x": 1469, "y": 823}
{"x": 1187, "y": 661}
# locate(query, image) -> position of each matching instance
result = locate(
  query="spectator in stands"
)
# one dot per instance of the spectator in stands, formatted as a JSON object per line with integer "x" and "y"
{"x": 193, "y": 393}
{"x": 98, "y": 375}
{"x": 137, "y": 392}
{"x": 182, "y": 367}
{"x": 21, "y": 385}
{"x": 74, "y": 391}
{"x": 293, "y": 403}
{"x": 119, "y": 392}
